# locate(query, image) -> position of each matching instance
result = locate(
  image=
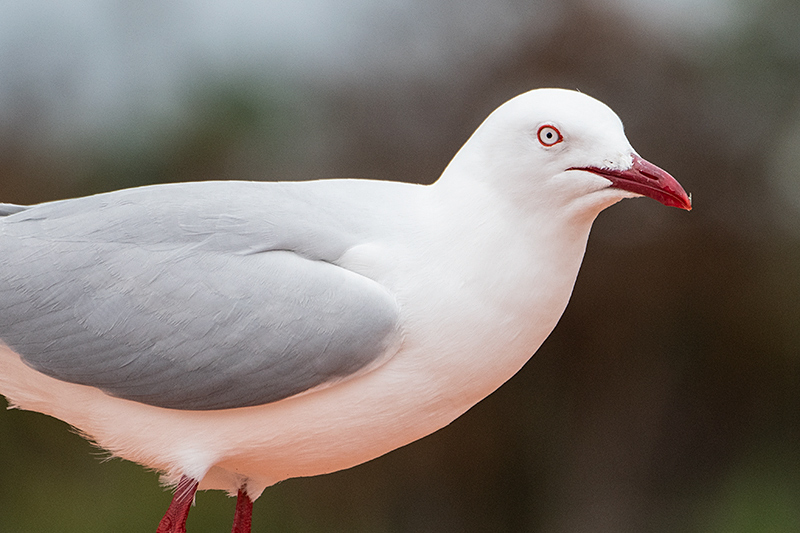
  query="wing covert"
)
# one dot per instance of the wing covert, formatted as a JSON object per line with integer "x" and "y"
{"x": 181, "y": 322}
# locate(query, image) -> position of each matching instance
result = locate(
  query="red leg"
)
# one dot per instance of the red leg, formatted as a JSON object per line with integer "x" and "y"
{"x": 174, "y": 520}
{"x": 244, "y": 513}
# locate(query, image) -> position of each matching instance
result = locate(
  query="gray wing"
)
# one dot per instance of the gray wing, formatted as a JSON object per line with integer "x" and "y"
{"x": 10, "y": 209}
{"x": 193, "y": 296}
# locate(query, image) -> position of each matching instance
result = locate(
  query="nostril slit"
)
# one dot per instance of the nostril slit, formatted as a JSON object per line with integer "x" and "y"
{"x": 650, "y": 175}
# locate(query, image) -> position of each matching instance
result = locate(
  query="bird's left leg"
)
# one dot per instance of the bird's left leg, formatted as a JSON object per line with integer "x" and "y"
{"x": 174, "y": 520}
{"x": 244, "y": 512}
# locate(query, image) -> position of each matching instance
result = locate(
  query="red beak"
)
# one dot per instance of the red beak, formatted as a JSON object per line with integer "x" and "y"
{"x": 646, "y": 179}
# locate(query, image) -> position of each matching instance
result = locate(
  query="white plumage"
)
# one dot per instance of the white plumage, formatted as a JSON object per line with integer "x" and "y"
{"x": 469, "y": 276}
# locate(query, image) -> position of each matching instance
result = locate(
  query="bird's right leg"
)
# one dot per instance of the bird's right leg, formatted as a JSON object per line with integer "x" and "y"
{"x": 244, "y": 512}
{"x": 174, "y": 520}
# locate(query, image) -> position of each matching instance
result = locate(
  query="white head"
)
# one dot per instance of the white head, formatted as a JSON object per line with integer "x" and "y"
{"x": 563, "y": 149}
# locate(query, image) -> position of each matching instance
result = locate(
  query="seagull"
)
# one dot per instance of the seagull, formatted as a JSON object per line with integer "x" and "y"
{"x": 234, "y": 334}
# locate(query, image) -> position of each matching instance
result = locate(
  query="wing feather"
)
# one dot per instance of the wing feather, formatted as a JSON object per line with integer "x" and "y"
{"x": 192, "y": 301}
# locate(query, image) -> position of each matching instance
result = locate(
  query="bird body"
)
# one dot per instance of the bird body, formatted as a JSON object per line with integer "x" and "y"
{"x": 238, "y": 333}
{"x": 439, "y": 375}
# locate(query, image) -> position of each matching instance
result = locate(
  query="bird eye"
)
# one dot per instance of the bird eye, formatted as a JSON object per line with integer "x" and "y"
{"x": 549, "y": 135}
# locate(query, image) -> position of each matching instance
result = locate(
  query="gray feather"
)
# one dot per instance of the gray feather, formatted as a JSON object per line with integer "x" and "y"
{"x": 10, "y": 209}
{"x": 190, "y": 296}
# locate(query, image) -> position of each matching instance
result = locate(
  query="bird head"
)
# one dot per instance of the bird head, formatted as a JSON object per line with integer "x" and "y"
{"x": 564, "y": 149}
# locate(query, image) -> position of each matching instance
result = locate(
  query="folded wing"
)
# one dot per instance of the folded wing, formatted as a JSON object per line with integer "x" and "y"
{"x": 186, "y": 298}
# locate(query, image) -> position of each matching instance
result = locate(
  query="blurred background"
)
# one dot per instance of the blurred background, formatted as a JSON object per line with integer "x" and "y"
{"x": 667, "y": 399}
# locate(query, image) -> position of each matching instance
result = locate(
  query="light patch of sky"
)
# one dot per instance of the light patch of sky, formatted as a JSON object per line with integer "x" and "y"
{"x": 685, "y": 18}
{"x": 86, "y": 64}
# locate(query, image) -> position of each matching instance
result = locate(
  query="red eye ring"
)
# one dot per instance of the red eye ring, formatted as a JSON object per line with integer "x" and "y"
{"x": 549, "y": 135}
